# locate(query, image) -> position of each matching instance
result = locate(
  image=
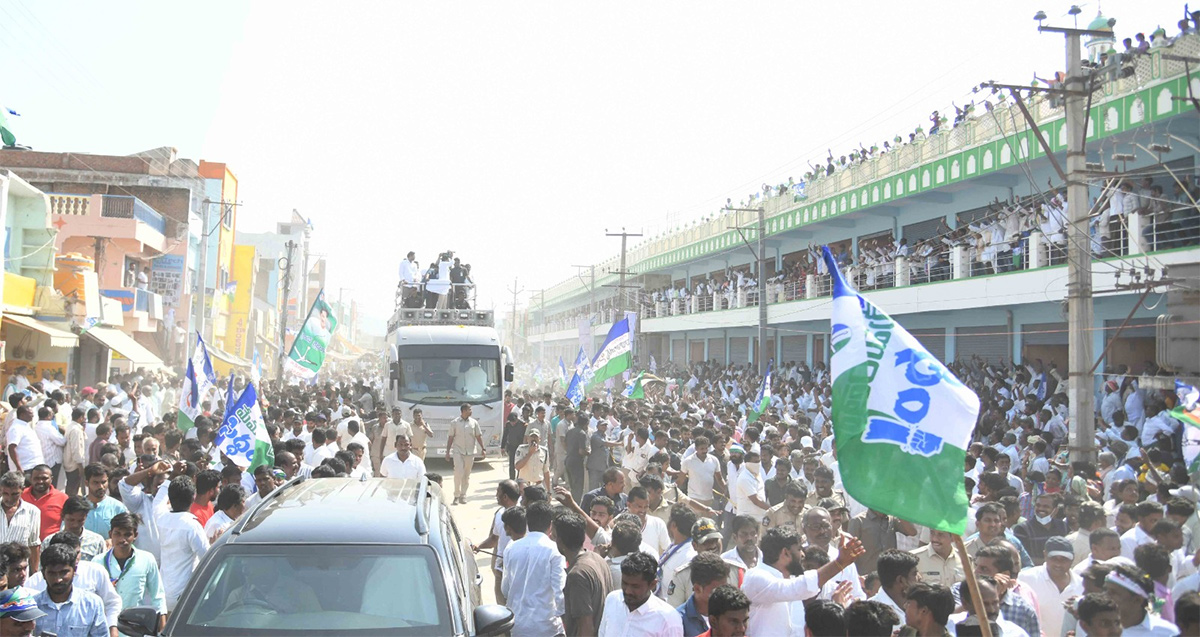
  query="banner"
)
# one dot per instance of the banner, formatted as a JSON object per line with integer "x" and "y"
{"x": 308, "y": 350}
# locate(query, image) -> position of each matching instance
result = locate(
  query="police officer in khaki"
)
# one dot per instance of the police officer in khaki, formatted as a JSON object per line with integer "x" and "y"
{"x": 787, "y": 513}
{"x": 938, "y": 561}
{"x": 706, "y": 538}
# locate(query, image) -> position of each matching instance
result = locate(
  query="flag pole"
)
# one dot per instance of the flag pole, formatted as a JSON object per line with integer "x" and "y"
{"x": 985, "y": 625}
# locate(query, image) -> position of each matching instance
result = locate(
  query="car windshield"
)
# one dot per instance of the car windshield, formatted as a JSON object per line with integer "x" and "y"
{"x": 444, "y": 381}
{"x": 319, "y": 589}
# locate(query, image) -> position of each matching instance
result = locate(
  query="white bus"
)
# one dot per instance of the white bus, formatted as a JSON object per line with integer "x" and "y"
{"x": 440, "y": 359}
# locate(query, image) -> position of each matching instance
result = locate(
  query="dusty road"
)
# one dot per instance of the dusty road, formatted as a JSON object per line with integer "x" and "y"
{"x": 474, "y": 519}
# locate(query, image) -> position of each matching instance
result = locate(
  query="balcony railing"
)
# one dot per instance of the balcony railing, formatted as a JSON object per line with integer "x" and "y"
{"x": 73, "y": 205}
{"x": 126, "y": 207}
{"x": 1171, "y": 228}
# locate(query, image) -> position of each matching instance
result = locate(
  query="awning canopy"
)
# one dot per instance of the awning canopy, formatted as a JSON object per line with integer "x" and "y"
{"x": 123, "y": 344}
{"x": 224, "y": 363}
{"x": 58, "y": 337}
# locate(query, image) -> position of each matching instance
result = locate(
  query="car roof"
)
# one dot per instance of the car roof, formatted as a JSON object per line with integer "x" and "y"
{"x": 340, "y": 511}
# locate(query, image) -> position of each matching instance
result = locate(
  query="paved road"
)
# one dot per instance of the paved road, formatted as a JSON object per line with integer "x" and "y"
{"x": 474, "y": 519}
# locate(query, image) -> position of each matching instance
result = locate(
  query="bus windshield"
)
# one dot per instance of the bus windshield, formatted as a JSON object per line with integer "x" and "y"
{"x": 444, "y": 381}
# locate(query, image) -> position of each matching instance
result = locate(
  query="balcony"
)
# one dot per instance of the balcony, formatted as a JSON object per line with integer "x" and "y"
{"x": 110, "y": 216}
{"x": 141, "y": 307}
{"x": 124, "y": 207}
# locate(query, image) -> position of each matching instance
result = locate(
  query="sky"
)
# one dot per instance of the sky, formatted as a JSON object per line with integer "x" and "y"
{"x": 515, "y": 134}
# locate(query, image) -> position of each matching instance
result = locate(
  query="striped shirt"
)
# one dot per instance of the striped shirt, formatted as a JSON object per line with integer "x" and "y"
{"x": 24, "y": 526}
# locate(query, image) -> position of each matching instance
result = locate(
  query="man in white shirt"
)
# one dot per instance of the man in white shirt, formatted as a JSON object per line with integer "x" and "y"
{"x": 703, "y": 473}
{"x": 749, "y": 491}
{"x": 24, "y": 448}
{"x": 409, "y": 271}
{"x": 1053, "y": 583}
{"x": 634, "y": 610}
{"x": 637, "y": 454}
{"x": 51, "y": 439}
{"x": 534, "y": 576}
{"x": 402, "y": 465}
{"x": 1149, "y": 513}
{"x": 654, "y": 530}
{"x": 181, "y": 538}
{"x": 779, "y": 584}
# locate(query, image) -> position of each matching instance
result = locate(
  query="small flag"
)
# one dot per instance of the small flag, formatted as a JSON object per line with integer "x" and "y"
{"x": 763, "y": 399}
{"x": 635, "y": 390}
{"x": 562, "y": 371}
{"x": 897, "y": 412}
{"x": 198, "y": 381}
{"x": 1188, "y": 408}
{"x": 1187, "y": 411}
{"x": 575, "y": 390}
{"x": 615, "y": 356}
{"x": 243, "y": 434}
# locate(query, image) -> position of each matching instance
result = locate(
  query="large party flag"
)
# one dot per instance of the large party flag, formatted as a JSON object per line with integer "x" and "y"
{"x": 615, "y": 356}
{"x": 308, "y": 350}
{"x": 635, "y": 390}
{"x": 7, "y": 138}
{"x": 243, "y": 434}
{"x": 763, "y": 399}
{"x": 198, "y": 381}
{"x": 901, "y": 421}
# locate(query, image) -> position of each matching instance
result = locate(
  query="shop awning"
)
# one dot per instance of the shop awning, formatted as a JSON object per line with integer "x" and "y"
{"x": 123, "y": 344}
{"x": 58, "y": 337}
{"x": 224, "y": 363}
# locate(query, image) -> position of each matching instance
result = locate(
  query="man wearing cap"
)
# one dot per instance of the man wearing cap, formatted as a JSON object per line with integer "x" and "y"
{"x": 18, "y": 612}
{"x": 533, "y": 460}
{"x": 706, "y": 538}
{"x": 1110, "y": 403}
{"x": 1053, "y": 583}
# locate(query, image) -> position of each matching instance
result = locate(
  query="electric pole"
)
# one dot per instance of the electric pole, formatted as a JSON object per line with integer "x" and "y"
{"x": 202, "y": 267}
{"x": 285, "y": 264}
{"x": 512, "y": 328}
{"x": 759, "y": 252}
{"x": 1077, "y": 87}
{"x": 1080, "y": 383}
{"x": 591, "y": 288}
{"x": 622, "y": 273}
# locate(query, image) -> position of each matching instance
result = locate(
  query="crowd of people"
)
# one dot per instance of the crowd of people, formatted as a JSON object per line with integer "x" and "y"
{"x": 109, "y": 504}
{"x": 681, "y": 514}
{"x": 445, "y": 284}
{"x": 678, "y": 514}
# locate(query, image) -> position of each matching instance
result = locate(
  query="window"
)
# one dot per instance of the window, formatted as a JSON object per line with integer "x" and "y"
{"x": 339, "y": 590}
{"x": 450, "y": 379}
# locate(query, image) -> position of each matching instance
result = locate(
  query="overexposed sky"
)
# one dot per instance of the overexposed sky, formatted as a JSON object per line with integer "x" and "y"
{"x": 512, "y": 133}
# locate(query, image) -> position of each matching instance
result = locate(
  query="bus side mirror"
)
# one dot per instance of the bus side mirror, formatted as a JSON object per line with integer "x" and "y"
{"x": 508, "y": 372}
{"x": 394, "y": 376}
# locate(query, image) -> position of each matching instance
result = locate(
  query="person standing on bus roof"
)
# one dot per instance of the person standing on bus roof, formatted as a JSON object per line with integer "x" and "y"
{"x": 460, "y": 447}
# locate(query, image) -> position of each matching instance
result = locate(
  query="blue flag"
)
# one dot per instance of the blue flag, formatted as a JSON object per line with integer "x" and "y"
{"x": 243, "y": 434}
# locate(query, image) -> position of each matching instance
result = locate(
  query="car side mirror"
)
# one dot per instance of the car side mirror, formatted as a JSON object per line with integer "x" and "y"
{"x": 138, "y": 621}
{"x": 508, "y": 372}
{"x": 493, "y": 619}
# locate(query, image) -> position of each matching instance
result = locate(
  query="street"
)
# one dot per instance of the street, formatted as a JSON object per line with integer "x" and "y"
{"x": 474, "y": 520}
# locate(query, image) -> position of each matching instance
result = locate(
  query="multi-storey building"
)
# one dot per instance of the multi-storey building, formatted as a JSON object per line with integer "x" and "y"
{"x": 976, "y": 205}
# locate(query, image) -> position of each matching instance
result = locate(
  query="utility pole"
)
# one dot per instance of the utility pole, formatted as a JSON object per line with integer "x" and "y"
{"x": 1081, "y": 383}
{"x": 542, "y": 300}
{"x": 285, "y": 264}
{"x": 759, "y": 252}
{"x": 512, "y": 328}
{"x": 202, "y": 266}
{"x": 622, "y": 272}
{"x": 591, "y": 287}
